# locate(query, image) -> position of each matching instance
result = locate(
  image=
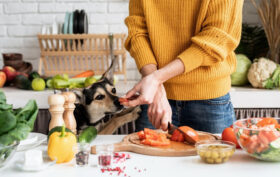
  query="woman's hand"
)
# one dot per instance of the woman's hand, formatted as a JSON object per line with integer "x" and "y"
{"x": 146, "y": 89}
{"x": 159, "y": 112}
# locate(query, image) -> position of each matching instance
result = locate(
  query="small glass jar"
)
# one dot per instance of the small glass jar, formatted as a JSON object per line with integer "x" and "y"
{"x": 82, "y": 154}
{"x": 104, "y": 155}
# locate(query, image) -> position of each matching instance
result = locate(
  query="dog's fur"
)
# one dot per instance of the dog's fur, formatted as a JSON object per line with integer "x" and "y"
{"x": 96, "y": 102}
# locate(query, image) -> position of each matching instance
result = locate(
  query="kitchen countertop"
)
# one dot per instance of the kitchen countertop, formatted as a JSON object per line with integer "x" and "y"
{"x": 242, "y": 97}
{"x": 239, "y": 165}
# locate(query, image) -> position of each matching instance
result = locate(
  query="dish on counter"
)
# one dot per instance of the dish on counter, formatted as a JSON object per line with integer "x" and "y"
{"x": 33, "y": 140}
{"x": 259, "y": 137}
{"x": 45, "y": 163}
{"x": 215, "y": 151}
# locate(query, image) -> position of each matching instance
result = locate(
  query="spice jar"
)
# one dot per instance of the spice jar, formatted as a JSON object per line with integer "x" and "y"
{"x": 104, "y": 155}
{"x": 82, "y": 154}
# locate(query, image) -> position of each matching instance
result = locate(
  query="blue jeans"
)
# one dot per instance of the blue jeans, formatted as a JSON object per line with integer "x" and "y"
{"x": 212, "y": 115}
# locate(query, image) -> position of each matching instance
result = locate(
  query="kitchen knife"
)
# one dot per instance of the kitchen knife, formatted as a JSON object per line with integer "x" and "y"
{"x": 189, "y": 135}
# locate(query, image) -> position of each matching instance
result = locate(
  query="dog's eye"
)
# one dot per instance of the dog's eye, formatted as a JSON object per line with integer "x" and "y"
{"x": 114, "y": 90}
{"x": 100, "y": 97}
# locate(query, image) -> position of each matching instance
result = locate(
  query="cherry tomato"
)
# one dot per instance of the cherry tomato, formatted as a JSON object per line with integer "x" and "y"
{"x": 228, "y": 135}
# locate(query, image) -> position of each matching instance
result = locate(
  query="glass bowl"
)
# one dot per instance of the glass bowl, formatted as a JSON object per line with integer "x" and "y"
{"x": 259, "y": 137}
{"x": 215, "y": 151}
{"x": 7, "y": 152}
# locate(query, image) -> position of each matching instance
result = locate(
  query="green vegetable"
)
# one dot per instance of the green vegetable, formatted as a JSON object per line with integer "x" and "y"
{"x": 272, "y": 153}
{"x": 22, "y": 82}
{"x": 57, "y": 129}
{"x": 3, "y": 105}
{"x": 274, "y": 80}
{"x": 275, "y": 144}
{"x": 15, "y": 125}
{"x": 88, "y": 135}
{"x": 63, "y": 81}
{"x": 8, "y": 121}
{"x": 239, "y": 77}
{"x": 33, "y": 75}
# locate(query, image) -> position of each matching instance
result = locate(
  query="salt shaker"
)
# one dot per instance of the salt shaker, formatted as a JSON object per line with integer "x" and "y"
{"x": 56, "y": 109}
{"x": 68, "y": 115}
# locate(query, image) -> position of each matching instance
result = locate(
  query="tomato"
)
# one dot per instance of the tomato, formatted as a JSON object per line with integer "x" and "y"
{"x": 153, "y": 138}
{"x": 123, "y": 100}
{"x": 177, "y": 136}
{"x": 191, "y": 136}
{"x": 141, "y": 135}
{"x": 267, "y": 121}
{"x": 228, "y": 135}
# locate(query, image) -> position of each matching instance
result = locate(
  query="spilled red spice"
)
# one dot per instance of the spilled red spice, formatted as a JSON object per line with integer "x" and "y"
{"x": 117, "y": 158}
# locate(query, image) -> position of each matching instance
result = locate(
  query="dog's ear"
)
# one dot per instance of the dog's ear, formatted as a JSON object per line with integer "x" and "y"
{"x": 79, "y": 97}
{"x": 109, "y": 73}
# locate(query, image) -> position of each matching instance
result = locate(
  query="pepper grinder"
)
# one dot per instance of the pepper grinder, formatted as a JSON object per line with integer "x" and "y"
{"x": 68, "y": 115}
{"x": 56, "y": 109}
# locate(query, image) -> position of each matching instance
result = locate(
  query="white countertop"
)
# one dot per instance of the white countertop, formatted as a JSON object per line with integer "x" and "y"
{"x": 242, "y": 97}
{"x": 239, "y": 165}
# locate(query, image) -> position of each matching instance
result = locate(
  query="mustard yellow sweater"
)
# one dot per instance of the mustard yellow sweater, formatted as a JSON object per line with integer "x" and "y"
{"x": 202, "y": 33}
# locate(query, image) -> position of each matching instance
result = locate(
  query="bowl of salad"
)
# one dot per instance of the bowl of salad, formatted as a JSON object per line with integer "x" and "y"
{"x": 259, "y": 137}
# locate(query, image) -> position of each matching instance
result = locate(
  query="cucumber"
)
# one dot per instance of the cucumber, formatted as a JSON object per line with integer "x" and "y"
{"x": 239, "y": 133}
{"x": 275, "y": 144}
{"x": 273, "y": 152}
{"x": 57, "y": 129}
{"x": 88, "y": 135}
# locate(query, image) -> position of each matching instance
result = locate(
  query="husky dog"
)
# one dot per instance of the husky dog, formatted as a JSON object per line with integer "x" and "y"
{"x": 96, "y": 103}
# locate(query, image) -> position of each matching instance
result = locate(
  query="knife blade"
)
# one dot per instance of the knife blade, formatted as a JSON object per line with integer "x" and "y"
{"x": 187, "y": 135}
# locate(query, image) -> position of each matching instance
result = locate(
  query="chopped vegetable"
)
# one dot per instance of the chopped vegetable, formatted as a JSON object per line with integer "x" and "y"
{"x": 262, "y": 139}
{"x": 153, "y": 138}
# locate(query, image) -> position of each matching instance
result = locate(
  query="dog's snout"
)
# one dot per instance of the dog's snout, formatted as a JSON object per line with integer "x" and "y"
{"x": 117, "y": 103}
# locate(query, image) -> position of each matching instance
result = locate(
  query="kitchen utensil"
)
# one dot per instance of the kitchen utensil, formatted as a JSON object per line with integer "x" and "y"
{"x": 46, "y": 163}
{"x": 56, "y": 102}
{"x": 70, "y": 27}
{"x": 215, "y": 151}
{"x": 187, "y": 135}
{"x": 83, "y": 22}
{"x": 68, "y": 115}
{"x": 66, "y": 23}
{"x": 75, "y": 21}
{"x": 131, "y": 143}
{"x": 13, "y": 59}
{"x": 26, "y": 67}
{"x": 33, "y": 140}
{"x": 7, "y": 152}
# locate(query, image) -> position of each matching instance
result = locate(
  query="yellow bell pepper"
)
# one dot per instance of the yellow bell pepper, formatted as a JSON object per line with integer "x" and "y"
{"x": 61, "y": 146}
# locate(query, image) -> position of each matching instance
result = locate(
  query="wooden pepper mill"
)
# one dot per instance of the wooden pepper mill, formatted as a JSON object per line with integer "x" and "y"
{"x": 68, "y": 115}
{"x": 56, "y": 109}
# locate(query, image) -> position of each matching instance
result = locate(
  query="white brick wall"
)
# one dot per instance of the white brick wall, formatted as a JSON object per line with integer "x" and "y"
{"x": 21, "y": 20}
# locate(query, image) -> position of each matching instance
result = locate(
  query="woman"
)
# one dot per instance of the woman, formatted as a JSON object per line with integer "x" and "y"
{"x": 184, "y": 50}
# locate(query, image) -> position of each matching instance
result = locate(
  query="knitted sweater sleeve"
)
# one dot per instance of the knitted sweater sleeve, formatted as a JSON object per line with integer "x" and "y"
{"x": 137, "y": 42}
{"x": 219, "y": 35}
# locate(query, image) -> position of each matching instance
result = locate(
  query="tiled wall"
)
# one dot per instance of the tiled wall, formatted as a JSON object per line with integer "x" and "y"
{"x": 21, "y": 20}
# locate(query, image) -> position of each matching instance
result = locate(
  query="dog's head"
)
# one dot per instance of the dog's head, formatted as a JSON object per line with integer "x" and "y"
{"x": 100, "y": 98}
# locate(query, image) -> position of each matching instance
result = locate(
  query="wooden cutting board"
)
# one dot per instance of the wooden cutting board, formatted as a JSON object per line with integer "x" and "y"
{"x": 131, "y": 143}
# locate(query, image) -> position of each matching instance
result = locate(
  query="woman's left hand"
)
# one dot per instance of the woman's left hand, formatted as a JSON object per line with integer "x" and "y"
{"x": 146, "y": 89}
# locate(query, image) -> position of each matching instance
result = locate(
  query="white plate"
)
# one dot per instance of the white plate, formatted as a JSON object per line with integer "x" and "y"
{"x": 33, "y": 140}
{"x": 46, "y": 163}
